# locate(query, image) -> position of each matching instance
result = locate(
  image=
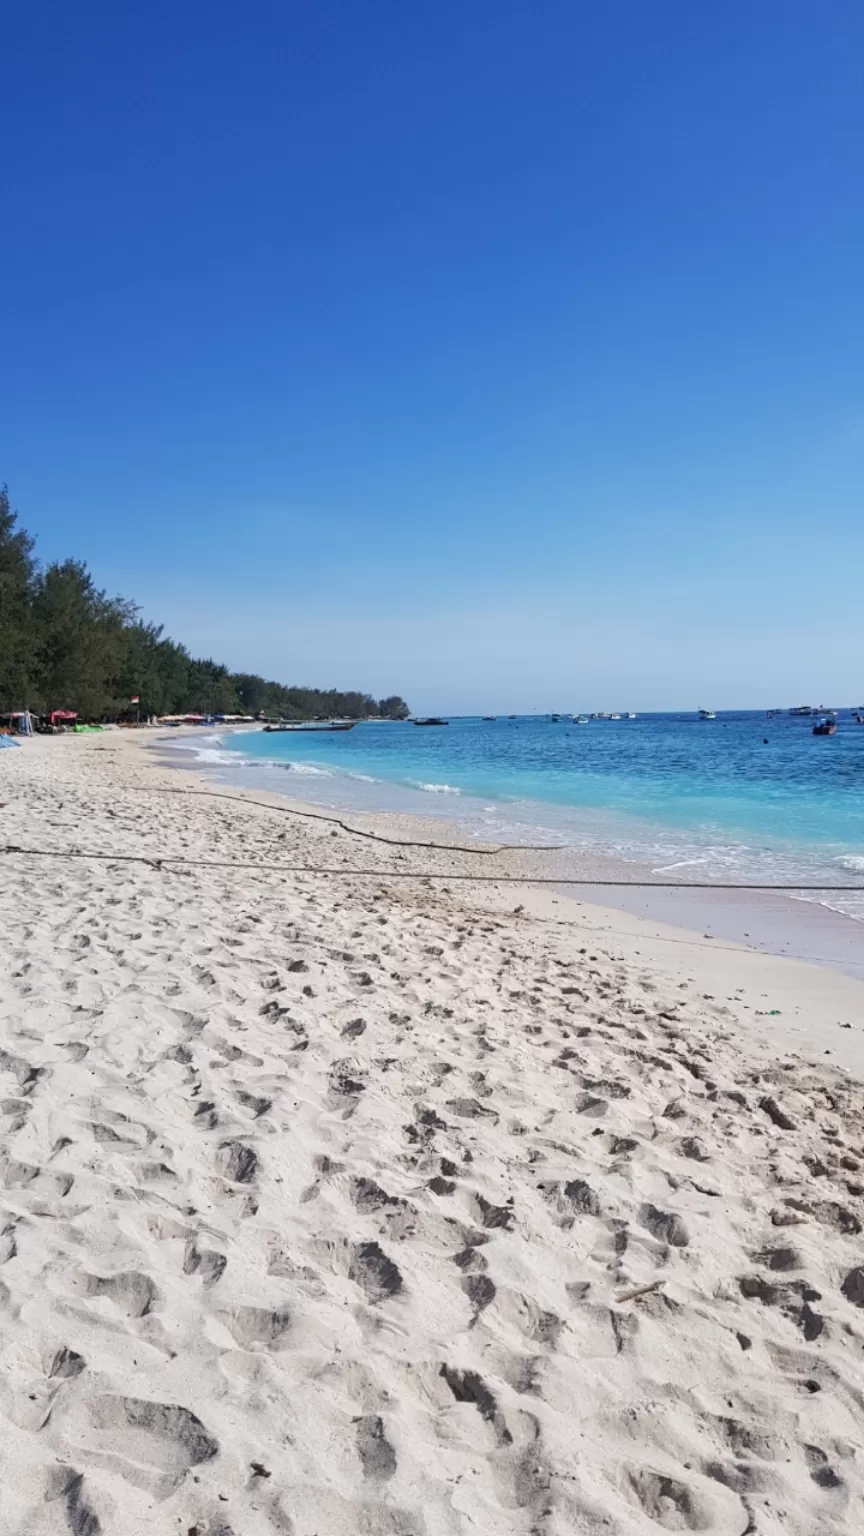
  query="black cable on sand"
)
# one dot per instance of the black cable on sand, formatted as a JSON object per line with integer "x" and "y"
{"x": 160, "y": 860}
{"x": 336, "y": 821}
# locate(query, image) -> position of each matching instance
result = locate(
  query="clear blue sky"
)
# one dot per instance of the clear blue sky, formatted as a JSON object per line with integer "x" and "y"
{"x": 500, "y": 354}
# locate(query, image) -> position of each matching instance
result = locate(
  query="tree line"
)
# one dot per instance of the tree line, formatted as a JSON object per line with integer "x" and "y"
{"x": 64, "y": 644}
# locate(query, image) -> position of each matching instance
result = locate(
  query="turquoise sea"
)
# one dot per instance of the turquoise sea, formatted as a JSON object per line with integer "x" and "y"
{"x": 742, "y": 797}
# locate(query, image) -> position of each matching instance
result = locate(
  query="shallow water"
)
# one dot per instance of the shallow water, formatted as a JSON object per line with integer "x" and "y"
{"x": 690, "y": 799}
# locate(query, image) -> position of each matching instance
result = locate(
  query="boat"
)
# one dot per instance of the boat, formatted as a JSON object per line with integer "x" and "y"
{"x": 555, "y": 718}
{"x": 314, "y": 729}
{"x": 614, "y": 717}
{"x": 825, "y": 727}
{"x": 629, "y": 715}
{"x": 581, "y": 720}
{"x": 803, "y": 709}
{"x": 432, "y": 720}
{"x": 707, "y": 714}
{"x": 490, "y": 717}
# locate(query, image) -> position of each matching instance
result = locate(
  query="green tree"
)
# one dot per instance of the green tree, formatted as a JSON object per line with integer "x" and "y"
{"x": 17, "y": 578}
{"x": 78, "y": 639}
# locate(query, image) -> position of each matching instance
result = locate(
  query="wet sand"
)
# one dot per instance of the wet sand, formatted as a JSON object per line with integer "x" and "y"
{"x": 770, "y": 922}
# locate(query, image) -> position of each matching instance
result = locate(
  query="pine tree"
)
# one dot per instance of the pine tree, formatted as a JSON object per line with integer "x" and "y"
{"x": 17, "y": 578}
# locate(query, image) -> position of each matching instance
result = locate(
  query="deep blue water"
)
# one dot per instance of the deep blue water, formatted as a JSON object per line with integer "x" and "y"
{"x": 714, "y": 798}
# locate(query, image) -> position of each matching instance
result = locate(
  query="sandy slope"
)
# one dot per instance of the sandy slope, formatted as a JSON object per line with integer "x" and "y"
{"x": 340, "y": 1207}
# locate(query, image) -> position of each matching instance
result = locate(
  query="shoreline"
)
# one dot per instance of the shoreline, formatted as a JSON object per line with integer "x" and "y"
{"x": 766, "y": 922}
{"x": 335, "y": 1202}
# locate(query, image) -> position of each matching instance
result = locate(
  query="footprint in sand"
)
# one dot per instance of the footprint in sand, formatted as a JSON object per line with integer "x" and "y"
{"x": 237, "y": 1162}
{"x": 152, "y": 1445}
{"x": 251, "y": 1326}
{"x": 675, "y": 1505}
{"x": 469, "y": 1387}
{"x": 376, "y": 1274}
{"x": 66, "y": 1506}
{"x": 206, "y": 1263}
{"x": 131, "y": 1292}
{"x": 666, "y": 1226}
{"x": 377, "y": 1456}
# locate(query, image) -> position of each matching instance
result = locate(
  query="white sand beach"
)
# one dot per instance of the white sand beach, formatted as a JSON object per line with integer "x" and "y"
{"x": 336, "y": 1204}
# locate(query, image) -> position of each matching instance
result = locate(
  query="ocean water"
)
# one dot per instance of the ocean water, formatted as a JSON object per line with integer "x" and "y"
{"x": 740, "y": 798}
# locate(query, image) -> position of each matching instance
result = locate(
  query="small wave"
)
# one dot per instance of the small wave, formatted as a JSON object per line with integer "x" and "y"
{"x": 308, "y": 769}
{"x": 436, "y": 789}
{"x": 843, "y": 906}
{"x": 853, "y": 862}
{"x": 664, "y": 869}
{"x": 212, "y": 755}
{"x": 363, "y": 778}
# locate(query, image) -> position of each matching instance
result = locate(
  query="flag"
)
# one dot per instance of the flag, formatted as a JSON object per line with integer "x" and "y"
{"x": 135, "y": 700}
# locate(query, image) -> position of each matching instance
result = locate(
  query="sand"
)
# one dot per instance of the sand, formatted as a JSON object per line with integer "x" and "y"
{"x": 340, "y": 1205}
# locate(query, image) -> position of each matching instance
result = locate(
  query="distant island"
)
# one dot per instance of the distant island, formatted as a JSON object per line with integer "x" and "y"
{"x": 66, "y": 645}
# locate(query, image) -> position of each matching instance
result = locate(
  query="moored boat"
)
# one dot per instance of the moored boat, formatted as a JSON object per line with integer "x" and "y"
{"x": 825, "y": 727}
{"x": 316, "y": 728}
{"x": 707, "y": 714}
{"x": 432, "y": 720}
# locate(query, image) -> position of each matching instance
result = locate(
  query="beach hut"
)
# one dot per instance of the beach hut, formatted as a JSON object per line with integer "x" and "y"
{"x": 62, "y": 719}
{"x": 19, "y": 722}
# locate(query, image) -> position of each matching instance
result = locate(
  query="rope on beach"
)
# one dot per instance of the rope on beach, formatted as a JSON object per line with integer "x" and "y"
{"x": 161, "y": 860}
{"x": 336, "y": 821}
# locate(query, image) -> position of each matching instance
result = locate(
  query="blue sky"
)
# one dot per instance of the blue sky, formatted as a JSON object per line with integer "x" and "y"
{"x": 505, "y": 355}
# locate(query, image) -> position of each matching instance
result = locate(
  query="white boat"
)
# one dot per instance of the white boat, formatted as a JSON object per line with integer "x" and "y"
{"x": 614, "y": 717}
{"x": 707, "y": 714}
{"x": 630, "y": 715}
